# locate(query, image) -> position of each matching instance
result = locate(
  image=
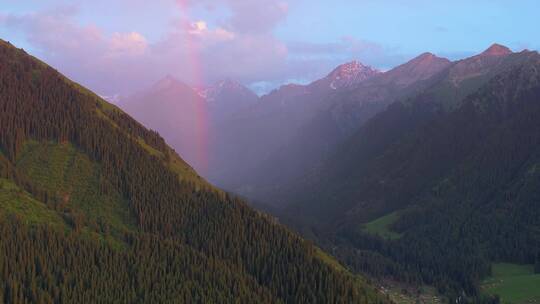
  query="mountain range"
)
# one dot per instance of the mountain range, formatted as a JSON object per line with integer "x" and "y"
{"x": 444, "y": 153}
{"x": 276, "y": 118}
{"x": 443, "y": 96}
{"x": 302, "y": 124}
{"x": 450, "y": 170}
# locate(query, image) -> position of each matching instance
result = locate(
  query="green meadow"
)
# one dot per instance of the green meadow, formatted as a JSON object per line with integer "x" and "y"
{"x": 515, "y": 284}
{"x": 381, "y": 226}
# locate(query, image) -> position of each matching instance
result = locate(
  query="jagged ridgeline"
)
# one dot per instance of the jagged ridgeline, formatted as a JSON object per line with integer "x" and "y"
{"x": 440, "y": 187}
{"x": 96, "y": 208}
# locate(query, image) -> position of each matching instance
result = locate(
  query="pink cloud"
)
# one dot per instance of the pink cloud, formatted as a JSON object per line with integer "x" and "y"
{"x": 84, "y": 53}
{"x": 241, "y": 46}
{"x": 247, "y": 16}
{"x": 128, "y": 43}
{"x": 257, "y": 16}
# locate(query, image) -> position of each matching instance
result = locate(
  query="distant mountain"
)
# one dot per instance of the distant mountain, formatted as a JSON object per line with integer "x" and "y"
{"x": 354, "y": 107}
{"x": 226, "y": 98}
{"x": 301, "y": 125}
{"x": 186, "y": 116}
{"x": 469, "y": 74}
{"x": 94, "y": 207}
{"x": 346, "y": 75}
{"x": 450, "y": 170}
{"x": 441, "y": 94}
{"x": 420, "y": 68}
{"x": 425, "y": 77}
{"x": 253, "y": 135}
{"x": 177, "y": 112}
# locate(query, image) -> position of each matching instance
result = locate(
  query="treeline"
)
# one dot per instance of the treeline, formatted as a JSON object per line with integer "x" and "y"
{"x": 174, "y": 218}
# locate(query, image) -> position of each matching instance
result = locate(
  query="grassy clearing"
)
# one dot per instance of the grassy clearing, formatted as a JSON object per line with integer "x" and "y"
{"x": 151, "y": 150}
{"x": 381, "y": 226}
{"x": 15, "y": 201}
{"x": 515, "y": 284}
{"x": 77, "y": 180}
{"x": 69, "y": 173}
{"x": 330, "y": 260}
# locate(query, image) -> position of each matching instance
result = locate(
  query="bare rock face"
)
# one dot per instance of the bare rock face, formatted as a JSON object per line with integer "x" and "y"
{"x": 419, "y": 68}
{"x": 350, "y": 74}
{"x": 480, "y": 64}
{"x": 496, "y": 50}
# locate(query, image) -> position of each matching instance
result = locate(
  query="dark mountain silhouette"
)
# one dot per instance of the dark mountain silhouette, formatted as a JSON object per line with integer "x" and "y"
{"x": 300, "y": 128}
{"x": 453, "y": 165}
{"x": 252, "y": 135}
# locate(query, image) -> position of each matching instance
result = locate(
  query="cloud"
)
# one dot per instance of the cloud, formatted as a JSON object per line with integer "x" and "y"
{"x": 52, "y": 30}
{"x": 246, "y": 16}
{"x": 241, "y": 46}
{"x": 84, "y": 53}
{"x": 128, "y": 43}
{"x": 260, "y": 16}
{"x": 200, "y": 30}
{"x": 124, "y": 62}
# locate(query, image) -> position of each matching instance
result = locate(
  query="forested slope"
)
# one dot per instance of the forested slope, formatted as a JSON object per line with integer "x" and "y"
{"x": 94, "y": 207}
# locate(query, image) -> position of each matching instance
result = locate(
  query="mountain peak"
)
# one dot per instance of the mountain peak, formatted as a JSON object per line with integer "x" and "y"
{"x": 166, "y": 82}
{"x": 225, "y": 84}
{"x": 497, "y": 50}
{"x": 169, "y": 78}
{"x": 427, "y": 58}
{"x": 350, "y": 73}
{"x": 419, "y": 68}
{"x": 222, "y": 88}
{"x": 350, "y": 68}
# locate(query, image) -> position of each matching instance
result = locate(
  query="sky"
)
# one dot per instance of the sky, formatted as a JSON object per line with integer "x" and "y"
{"x": 122, "y": 46}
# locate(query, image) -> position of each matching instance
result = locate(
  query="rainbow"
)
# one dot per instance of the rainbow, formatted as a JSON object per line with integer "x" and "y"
{"x": 194, "y": 68}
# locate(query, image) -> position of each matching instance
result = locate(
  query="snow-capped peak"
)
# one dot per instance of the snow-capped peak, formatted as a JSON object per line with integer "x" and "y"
{"x": 350, "y": 73}
{"x": 210, "y": 92}
{"x": 229, "y": 84}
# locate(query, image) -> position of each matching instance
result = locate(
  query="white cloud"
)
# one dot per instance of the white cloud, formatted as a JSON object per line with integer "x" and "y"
{"x": 133, "y": 44}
